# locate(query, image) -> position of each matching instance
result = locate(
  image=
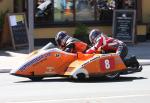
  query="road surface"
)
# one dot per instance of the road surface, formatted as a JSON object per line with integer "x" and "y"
{"x": 128, "y": 89}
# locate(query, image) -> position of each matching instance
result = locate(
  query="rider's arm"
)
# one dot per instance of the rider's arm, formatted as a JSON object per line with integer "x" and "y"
{"x": 91, "y": 50}
{"x": 69, "y": 48}
{"x": 97, "y": 47}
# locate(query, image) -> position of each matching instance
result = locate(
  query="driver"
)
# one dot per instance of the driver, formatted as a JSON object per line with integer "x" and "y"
{"x": 104, "y": 44}
{"x": 70, "y": 44}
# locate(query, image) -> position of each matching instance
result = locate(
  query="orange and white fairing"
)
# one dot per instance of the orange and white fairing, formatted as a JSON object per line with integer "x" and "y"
{"x": 45, "y": 63}
{"x": 55, "y": 62}
{"x": 95, "y": 65}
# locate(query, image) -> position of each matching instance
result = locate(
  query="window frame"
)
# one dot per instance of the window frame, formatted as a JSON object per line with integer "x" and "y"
{"x": 96, "y": 22}
{"x": 74, "y": 22}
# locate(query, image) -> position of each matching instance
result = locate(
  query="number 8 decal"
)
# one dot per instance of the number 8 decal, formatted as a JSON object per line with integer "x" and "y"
{"x": 107, "y": 64}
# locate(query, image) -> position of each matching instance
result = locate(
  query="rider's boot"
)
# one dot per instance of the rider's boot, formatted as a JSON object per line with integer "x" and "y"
{"x": 132, "y": 65}
{"x": 132, "y": 62}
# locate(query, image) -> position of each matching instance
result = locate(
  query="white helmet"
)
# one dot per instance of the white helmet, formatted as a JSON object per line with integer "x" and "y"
{"x": 94, "y": 34}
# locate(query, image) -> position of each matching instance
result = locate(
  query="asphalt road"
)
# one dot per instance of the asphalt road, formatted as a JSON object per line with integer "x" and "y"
{"x": 128, "y": 89}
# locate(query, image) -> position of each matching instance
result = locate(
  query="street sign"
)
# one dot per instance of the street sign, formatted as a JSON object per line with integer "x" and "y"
{"x": 18, "y": 29}
{"x": 124, "y": 25}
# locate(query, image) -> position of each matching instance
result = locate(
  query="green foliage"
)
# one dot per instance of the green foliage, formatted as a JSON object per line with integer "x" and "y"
{"x": 109, "y": 35}
{"x": 81, "y": 32}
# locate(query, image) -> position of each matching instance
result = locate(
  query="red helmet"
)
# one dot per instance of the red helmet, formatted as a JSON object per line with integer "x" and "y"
{"x": 61, "y": 38}
{"x": 94, "y": 34}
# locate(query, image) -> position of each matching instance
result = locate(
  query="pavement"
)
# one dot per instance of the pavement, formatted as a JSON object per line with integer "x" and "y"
{"x": 9, "y": 58}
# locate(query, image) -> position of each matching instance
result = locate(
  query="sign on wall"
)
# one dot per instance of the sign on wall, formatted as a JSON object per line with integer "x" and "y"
{"x": 18, "y": 29}
{"x": 124, "y": 25}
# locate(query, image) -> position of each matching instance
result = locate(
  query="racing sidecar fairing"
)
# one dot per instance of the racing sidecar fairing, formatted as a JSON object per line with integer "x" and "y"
{"x": 48, "y": 62}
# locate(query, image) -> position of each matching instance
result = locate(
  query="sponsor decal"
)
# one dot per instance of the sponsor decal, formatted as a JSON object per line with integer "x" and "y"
{"x": 91, "y": 60}
{"x": 50, "y": 70}
{"x": 57, "y": 55}
{"x": 35, "y": 60}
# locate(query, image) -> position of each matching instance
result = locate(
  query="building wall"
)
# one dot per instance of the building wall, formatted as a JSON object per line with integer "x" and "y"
{"x": 146, "y": 11}
{"x": 6, "y": 5}
{"x": 51, "y": 32}
{"x": 141, "y": 29}
{"x": 41, "y": 33}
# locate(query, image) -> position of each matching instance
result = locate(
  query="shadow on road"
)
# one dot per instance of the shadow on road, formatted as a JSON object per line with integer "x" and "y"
{"x": 90, "y": 80}
{"x": 103, "y": 80}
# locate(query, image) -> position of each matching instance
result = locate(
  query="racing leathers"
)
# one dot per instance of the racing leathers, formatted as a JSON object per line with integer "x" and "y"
{"x": 106, "y": 44}
{"x": 74, "y": 45}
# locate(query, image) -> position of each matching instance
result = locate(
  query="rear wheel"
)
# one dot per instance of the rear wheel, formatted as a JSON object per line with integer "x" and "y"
{"x": 112, "y": 76}
{"x": 81, "y": 76}
{"x": 36, "y": 78}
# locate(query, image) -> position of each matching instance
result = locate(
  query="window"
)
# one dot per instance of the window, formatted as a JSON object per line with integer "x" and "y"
{"x": 84, "y": 10}
{"x": 105, "y": 10}
{"x": 53, "y": 12}
{"x": 126, "y": 4}
{"x": 43, "y": 11}
{"x": 63, "y": 10}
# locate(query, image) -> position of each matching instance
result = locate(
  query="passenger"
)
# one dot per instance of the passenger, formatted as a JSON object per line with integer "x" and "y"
{"x": 104, "y": 44}
{"x": 70, "y": 44}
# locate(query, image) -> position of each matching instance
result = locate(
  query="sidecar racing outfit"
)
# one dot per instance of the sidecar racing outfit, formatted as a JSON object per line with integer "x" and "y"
{"x": 103, "y": 44}
{"x": 70, "y": 44}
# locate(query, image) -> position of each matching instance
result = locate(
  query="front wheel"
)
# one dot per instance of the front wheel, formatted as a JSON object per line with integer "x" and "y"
{"x": 112, "y": 76}
{"x": 36, "y": 78}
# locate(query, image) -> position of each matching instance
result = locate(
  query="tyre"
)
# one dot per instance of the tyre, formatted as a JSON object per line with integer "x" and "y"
{"x": 36, "y": 78}
{"x": 81, "y": 76}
